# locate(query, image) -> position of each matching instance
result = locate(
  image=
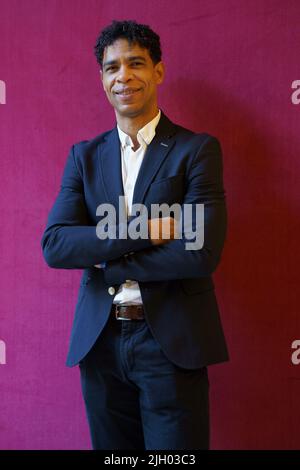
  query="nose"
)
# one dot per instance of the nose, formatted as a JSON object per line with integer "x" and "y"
{"x": 124, "y": 74}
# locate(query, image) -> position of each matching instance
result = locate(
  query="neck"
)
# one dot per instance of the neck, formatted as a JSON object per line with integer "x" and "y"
{"x": 131, "y": 125}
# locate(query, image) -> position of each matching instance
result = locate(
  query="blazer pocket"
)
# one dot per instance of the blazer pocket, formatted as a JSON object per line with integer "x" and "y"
{"x": 197, "y": 286}
{"x": 168, "y": 190}
{"x": 175, "y": 179}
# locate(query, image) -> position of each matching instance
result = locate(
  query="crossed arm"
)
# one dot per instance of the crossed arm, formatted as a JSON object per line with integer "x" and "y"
{"x": 70, "y": 242}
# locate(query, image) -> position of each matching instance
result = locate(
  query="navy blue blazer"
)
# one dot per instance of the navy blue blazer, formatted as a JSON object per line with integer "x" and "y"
{"x": 176, "y": 284}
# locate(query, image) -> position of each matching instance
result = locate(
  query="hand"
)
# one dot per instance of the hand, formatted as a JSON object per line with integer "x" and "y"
{"x": 162, "y": 230}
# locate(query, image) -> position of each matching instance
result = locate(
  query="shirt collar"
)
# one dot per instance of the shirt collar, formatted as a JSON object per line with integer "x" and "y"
{"x": 145, "y": 134}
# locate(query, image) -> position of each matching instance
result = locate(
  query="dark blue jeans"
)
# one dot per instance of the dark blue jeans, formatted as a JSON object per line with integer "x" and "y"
{"x": 136, "y": 398}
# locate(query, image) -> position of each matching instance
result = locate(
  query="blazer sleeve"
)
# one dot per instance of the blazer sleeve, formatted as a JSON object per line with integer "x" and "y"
{"x": 69, "y": 240}
{"x": 172, "y": 260}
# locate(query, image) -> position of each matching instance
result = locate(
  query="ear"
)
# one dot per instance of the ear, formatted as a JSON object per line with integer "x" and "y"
{"x": 101, "y": 78}
{"x": 159, "y": 72}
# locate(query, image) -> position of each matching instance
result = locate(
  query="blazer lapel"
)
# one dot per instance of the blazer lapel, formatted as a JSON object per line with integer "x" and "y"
{"x": 109, "y": 154}
{"x": 155, "y": 154}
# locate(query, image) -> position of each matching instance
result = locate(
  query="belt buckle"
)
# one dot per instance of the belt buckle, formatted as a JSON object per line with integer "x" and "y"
{"x": 117, "y": 311}
{"x": 125, "y": 316}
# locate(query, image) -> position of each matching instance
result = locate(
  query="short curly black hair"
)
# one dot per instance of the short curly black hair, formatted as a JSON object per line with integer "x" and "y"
{"x": 134, "y": 32}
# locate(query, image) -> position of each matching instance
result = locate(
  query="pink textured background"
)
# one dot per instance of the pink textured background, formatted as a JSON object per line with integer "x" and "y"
{"x": 230, "y": 65}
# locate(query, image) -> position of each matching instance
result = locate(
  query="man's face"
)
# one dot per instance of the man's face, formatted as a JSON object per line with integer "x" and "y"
{"x": 130, "y": 78}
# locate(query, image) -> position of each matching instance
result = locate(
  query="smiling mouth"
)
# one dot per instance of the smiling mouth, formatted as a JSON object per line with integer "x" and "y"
{"x": 127, "y": 92}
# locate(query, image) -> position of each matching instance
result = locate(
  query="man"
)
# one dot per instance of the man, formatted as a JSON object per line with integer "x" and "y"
{"x": 146, "y": 323}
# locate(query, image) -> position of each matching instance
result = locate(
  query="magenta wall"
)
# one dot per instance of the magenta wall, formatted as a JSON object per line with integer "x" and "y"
{"x": 230, "y": 68}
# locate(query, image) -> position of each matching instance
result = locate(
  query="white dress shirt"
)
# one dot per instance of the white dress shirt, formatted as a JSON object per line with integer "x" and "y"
{"x": 129, "y": 293}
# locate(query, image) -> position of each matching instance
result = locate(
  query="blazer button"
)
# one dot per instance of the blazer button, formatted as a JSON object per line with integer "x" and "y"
{"x": 111, "y": 290}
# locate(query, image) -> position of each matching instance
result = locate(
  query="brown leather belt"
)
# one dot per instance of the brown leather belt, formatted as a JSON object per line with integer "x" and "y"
{"x": 128, "y": 312}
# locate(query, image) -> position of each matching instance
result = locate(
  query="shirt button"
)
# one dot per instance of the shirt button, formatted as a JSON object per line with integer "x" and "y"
{"x": 111, "y": 290}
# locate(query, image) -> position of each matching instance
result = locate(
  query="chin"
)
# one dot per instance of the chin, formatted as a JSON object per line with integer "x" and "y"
{"x": 129, "y": 111}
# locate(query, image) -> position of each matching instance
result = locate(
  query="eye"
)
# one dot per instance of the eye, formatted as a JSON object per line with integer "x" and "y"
{"x": 112, "y": 68}
{"x": 136, "y": 63}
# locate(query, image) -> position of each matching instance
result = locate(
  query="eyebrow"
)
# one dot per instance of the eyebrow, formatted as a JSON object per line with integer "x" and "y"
{"x": 129, "y": 59}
